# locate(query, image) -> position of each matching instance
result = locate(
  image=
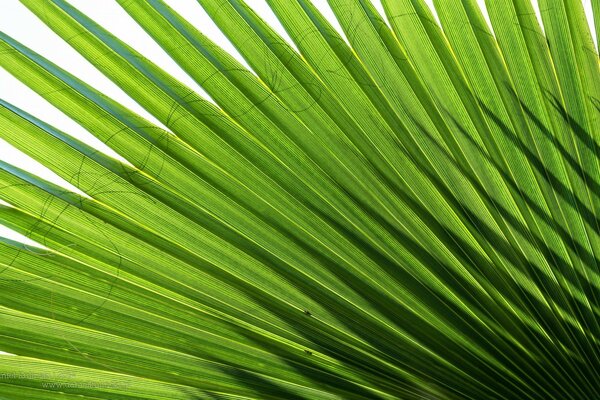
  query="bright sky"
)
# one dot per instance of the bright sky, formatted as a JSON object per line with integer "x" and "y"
{"x": 19, "y": 23}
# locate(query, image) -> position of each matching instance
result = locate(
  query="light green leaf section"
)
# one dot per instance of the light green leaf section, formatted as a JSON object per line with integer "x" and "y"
{"x": 596, "y": 13}
{"x": 46, "y": 380}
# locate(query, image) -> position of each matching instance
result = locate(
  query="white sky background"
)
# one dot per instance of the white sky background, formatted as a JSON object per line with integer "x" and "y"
{"x": 22, "y": 25}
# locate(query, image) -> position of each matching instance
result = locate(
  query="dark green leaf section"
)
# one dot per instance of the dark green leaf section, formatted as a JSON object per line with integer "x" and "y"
{"x": 405, "y": 211}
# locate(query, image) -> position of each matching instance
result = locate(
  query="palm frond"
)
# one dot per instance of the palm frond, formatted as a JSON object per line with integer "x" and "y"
{"x": 403, "y": 210}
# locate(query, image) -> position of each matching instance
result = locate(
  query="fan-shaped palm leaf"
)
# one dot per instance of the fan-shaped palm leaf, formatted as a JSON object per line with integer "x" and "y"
{"x": 410, "y": 211}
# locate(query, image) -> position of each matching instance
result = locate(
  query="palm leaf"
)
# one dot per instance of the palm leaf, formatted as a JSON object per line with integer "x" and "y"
{"x": 404, "y": 209}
